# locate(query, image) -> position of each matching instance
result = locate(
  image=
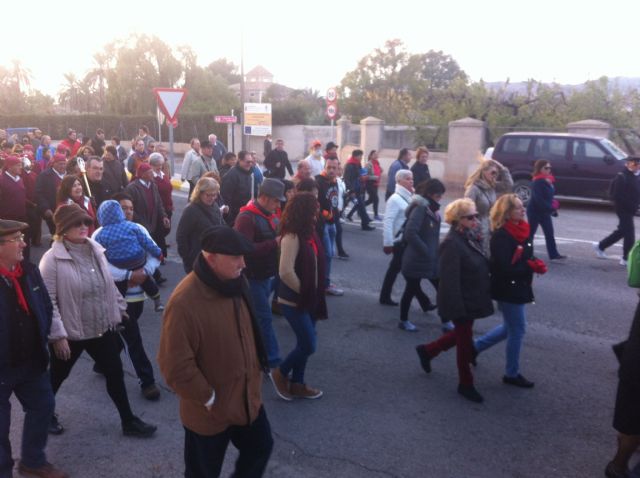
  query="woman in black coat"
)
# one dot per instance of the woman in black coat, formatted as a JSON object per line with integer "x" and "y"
{"x": 464, "y": 292}
{"x": 201, "y": 213}
{"x": 420, "y": 258}
{"x": 542, "y": 206}
{"x": 626, "y": 418}
{"x": 512, "y": 268}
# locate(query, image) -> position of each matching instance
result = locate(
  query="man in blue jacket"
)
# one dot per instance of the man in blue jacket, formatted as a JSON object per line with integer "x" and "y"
{"x": 25, "y": 320}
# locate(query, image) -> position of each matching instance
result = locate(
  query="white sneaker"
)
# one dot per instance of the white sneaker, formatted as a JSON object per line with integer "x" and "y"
{"x": 623, "y": 262}
{"x": 599, "y": 252}
{"x": 333, "y": 290}
{"x": 447, "y": 327}
{"x": 407, "y": 326}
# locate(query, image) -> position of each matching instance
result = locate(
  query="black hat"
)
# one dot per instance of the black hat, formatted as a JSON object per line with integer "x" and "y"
{"x": 635, "y": 159}
{"x": 225, "y": 240}
{"x": 9, "y": 227}
{"x": 273, "y": 188}
{"x": 330, "y": 145}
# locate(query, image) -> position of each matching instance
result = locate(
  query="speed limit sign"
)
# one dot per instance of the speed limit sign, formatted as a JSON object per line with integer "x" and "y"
{"x": 332, "y": 111}
{"x": 332, "y": 95}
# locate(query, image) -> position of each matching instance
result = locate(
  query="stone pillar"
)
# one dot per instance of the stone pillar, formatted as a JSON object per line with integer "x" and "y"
{"x": 466, "y": 143}
{"x": 342, "y": 134}
{"x": 590, "y": 127}
{"x": 371, "y": 134}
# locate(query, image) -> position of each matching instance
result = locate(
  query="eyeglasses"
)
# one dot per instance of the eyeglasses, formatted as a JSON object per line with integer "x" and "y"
{"x": 20, "y": 238}
{"x": 471, "y": 217}
{"x": 547, "y": 167}
{"x": 83, "y": 222}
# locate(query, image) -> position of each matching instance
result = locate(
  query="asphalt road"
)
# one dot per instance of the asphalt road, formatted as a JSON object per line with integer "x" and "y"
{"x": 380, "y": 415}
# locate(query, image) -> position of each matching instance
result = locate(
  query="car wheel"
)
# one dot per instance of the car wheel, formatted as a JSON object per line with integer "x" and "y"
{"x": 522, "y": 188}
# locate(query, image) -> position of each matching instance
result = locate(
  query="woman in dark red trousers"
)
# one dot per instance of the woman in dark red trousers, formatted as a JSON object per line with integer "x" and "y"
{"x": 464, "y": 293}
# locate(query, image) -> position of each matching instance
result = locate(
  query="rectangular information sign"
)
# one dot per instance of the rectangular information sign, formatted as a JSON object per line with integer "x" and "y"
{"x": 257, "y": 119}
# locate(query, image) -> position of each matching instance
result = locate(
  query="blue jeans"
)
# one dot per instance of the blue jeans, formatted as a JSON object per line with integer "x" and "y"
{"x": 261, "y": 292}
{"x": 328, "y": 240}
{"x": 32, "y": 388}
{"x": 512, "y": 329}
{"x": 545, "y": 221}
{"x": 305, "y": 329}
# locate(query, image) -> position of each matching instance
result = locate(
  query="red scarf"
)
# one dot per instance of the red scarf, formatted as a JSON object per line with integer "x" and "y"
{"x": 519, "y": 231}
{"x": 13, "y": 276}
{"x": 313, "y": 245}
{"x": 271, "y": 218}
{"x": 548, "y": 177}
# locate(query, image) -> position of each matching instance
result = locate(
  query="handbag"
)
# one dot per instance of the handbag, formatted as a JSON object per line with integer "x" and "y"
{"x": 633, "y": 266}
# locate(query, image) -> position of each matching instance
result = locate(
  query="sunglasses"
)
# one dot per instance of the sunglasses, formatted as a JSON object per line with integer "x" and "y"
{"x": 471, "y": 217}
{"x": 83, "y": 222}
{"x": 547, "y": 167}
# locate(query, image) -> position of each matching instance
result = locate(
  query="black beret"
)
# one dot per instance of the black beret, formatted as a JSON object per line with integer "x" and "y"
{"x": 225, "y": 240}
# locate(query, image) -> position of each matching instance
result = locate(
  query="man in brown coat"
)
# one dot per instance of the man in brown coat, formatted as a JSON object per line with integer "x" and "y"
{"x": 211, "y": 355}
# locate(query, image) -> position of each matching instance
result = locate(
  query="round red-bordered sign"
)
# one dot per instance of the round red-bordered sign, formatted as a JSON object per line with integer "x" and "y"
{"x": 332, "y": 111}
{"x": 332, "y": 95}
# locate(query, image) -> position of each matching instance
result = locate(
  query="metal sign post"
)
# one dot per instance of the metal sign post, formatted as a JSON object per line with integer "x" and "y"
{"x": 172, "y": 159}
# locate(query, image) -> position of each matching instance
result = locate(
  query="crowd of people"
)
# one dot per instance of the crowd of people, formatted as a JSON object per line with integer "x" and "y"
{"x": 253, "y": 244}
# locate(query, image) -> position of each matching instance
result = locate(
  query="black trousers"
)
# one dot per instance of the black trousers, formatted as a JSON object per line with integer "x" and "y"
{"x": 411, "y": 290}
{"x": 372, "y": 192}
{"x": 358, "y": 206}
{"x": 105, "y": 352}
{"x": 339, "y": 245}
{"x": 625, "y": 230}
{"x": 392, "y": 272}
{"x": 203, "y": 455}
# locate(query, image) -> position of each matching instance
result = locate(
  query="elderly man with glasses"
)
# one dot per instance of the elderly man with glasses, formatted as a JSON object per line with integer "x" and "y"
{"x": 25, "y": 320}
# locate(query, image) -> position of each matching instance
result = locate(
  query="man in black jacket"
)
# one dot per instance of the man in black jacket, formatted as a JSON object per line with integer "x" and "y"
{"x": 47, "y": 184}
{"x": 25, "y": 320}
{"x": 328, "y": 194}
{"x": 625, "y": 193}
{"x": 276, "y": 162}
{"x": 236, "y": 185}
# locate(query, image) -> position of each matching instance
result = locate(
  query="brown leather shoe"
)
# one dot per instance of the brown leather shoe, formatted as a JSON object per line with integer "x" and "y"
{"x": 302, "y": 390}
{"x": 45, "y": 471}
{"x": 151, "y": 392}
{"x": 280, "y": 383}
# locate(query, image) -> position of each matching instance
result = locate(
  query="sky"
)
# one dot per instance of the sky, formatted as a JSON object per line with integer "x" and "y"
{"x": 314, "y": 44}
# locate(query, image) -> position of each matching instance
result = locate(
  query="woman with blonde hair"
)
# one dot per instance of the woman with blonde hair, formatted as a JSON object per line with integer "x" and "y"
{"x": 201, "y": 213}
{"x": 464, "y": 292}
{"x": 483, "y": 187}
{"x": 512, "y": 268}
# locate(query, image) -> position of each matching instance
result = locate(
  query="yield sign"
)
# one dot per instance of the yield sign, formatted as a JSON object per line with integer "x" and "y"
{"x": 170, "y": 100}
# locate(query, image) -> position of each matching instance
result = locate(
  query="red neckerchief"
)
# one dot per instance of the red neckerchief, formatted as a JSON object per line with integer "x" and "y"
{"x": 272, "y": 218}
{"x": 13, "y": 276}
{"x": 519, "y": 231}
{"x": 355, "y": 161}
{"x": 313, "y": 245}
{"x": 548, "y": 177}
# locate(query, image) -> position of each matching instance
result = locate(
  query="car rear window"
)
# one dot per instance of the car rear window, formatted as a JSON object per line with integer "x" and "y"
{"x": 516, "y": 145}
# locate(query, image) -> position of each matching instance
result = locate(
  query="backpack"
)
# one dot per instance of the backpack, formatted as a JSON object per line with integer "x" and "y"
{"x": 633, "y": 266}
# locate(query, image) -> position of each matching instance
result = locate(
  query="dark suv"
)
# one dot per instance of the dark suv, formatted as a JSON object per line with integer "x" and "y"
{"x": 582, "y": 165}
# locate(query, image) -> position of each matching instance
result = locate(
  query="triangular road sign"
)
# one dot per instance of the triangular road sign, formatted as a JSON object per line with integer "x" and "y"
{"x": 170, "y": 100}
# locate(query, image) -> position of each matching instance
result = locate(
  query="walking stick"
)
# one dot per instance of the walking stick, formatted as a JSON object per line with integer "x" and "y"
{"x": 83, "y": 171}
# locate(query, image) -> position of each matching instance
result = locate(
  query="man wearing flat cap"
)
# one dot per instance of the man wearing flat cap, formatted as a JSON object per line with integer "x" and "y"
{"x": 25, "y": 320}
{"x": 211, "y": 355}
{"x": 625, "y": 193}
{"x": 257, "y": 221}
